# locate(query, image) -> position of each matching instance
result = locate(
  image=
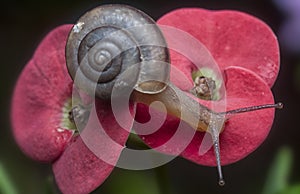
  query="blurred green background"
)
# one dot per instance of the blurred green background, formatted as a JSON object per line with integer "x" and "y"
{"x": 271, "y": 169}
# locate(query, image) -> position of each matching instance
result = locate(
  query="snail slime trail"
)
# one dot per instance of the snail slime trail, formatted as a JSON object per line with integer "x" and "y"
{"x": 118, "y": 42}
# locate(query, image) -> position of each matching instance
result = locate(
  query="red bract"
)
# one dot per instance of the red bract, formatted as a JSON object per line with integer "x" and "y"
{"x": 247, "y": 53}
{"x": 233, "y": 38}
{"x": 40, "y": 94}
{"x": 40, "y": 106}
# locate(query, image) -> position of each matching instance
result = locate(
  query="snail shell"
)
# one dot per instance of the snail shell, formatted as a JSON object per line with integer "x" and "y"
{"x": 112, "y": 40}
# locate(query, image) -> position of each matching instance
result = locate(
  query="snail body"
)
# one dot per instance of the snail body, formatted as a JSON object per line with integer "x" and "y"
{"x": 111, "y": 41}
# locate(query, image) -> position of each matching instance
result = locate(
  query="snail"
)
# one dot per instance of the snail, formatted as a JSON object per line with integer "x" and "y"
{"x": 118, "y": 40}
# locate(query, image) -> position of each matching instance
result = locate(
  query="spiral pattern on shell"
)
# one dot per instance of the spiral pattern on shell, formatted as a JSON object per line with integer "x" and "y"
{"x": 111, "y": 40}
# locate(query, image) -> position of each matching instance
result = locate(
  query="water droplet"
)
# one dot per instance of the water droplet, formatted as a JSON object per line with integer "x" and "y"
{"x": 60, "y": 130}
{"x": 78, "y": 27}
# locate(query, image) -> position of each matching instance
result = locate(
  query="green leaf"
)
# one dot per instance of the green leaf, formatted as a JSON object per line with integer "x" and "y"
{"x": 295, "y": 189}
{"x": 6, "y": 186}
{"x": 277, "y": 179}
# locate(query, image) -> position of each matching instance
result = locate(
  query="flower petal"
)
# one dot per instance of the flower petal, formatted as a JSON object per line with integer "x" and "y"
{"x": 78, "y": 170}
{"x": 233, "y": 38}
{"x": 39, "y": 96}
{"x": 242, "y": 134}
{"x": 90, "y": 158}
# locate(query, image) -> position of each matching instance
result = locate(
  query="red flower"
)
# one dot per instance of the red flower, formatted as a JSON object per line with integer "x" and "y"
{"x": 247, "y": 53}
{"x": 40, "y": 118}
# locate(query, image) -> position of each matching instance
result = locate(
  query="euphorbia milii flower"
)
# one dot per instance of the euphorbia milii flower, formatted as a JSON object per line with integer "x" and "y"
{"x": 42, "y": 127}
{"x": 247, "y": 53}
{"x": 42, "y": 110}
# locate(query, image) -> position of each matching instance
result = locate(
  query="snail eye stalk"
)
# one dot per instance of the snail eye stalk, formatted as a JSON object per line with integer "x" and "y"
{"x": 215, "y": 133}
{"x": 253, "y": 108}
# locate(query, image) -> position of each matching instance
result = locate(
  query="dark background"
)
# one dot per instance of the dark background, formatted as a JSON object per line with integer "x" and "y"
{"x": 25, "y": 23}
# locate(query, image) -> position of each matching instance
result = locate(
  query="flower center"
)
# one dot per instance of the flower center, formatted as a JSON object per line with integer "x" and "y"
{"x": 79, "y": 115}
{"x": 66, "y": 122}
{"x": 204, "y": 87}
{"x": 74, "y": 116}
{"x": 206, "y": 84}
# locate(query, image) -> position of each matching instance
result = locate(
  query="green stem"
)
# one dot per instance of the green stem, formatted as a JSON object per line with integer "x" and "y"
{"x": 6, "y": 185}
{"x": 163, "y": 178}
{"x": 50, "y": 185}
{"x": 135, "y": 142}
